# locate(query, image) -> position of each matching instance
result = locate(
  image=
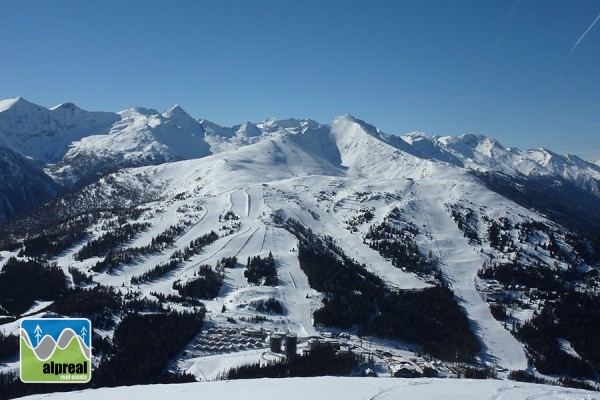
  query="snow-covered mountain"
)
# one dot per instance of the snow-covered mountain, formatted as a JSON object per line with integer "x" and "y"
{"x": 44, "y": 135}
{"x": 486, "y": 154}
{"x": 76, "y": 147}
{"x": 454, "y": 247}
{"x": 140, "y": 137}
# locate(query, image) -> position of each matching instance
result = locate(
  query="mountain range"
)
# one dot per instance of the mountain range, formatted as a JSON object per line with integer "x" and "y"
{"x": 434, "y": 248}
{"x": 45, "y": 152}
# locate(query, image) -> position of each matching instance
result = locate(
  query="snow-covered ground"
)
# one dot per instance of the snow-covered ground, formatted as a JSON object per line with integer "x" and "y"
{"x": 335, "y": 388}
{"x": 460, "y": 263}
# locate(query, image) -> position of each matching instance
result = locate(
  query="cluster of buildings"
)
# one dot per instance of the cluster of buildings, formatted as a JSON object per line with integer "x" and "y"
{"x": 493, "y": 291}
{"x": 226, "y": 340}
{"x": 289, "y": 340}
{"x": 285, "y": 345}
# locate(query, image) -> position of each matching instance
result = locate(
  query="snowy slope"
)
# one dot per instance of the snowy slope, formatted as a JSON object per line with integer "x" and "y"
{"x": 141, "y": 137}
{"x": 335, "y": 388}
{"x": 460, "y": 263}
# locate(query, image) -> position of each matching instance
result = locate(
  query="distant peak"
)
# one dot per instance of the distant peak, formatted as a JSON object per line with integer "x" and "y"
{"x": 544, "y": 151}
{"x": 272, "y": 125}
{"x": 345, "y": 118}
{"x": 365, "y": 126}
{"x": 176, "y": 112}
{"x": 248, "y": 129}
{"x": 469, "y": 140}
{"x": 416, "y": 135}
{"x": 140, "y": 110}
{"x": 65, "y": 106}
{"x": 176, "y": 109}
{"x": 13, "y": 102}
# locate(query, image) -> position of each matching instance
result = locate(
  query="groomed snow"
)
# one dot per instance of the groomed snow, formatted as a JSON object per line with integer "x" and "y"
{"x": 334, "y": 388}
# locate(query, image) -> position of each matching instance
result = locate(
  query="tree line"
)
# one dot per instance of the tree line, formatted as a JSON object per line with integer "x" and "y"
{"x": 321, "y": 362}
{"x": 176, "y": 259}
{"x": 22, "y": 282}
{"x": 261, "y": 270}
{"x": 206, "y": 283}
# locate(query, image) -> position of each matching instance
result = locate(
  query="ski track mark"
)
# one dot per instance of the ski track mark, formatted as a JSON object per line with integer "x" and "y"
{"x": 246, "y": 242}
{"x": 262, "y": 245}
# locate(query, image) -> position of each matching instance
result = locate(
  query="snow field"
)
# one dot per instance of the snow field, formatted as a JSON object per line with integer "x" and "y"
{"x": 335, "y": 388}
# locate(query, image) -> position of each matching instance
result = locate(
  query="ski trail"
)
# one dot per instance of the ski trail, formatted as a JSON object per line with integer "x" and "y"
{"x": 246, "y": 242}
{"x": 255, "y": 196}
{"x": 294, "y": 286}
{"x": 239, "y": 202}
{"x": 214, "y": 253}
{"x": 460, "y": 265}
{"x": 248, "y": 202}
{"x": 191, "y": 231}
{"x": 293, "y": 281}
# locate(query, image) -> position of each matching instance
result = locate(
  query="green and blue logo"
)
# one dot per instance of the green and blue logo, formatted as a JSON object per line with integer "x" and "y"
{"x": 56, "y": 350}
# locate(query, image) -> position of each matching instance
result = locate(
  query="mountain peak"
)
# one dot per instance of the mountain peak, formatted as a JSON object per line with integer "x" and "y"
{"x": 348, "y": 119}
{"x": 344, "y": 118}
{"x": 175, "y": 110}
{"x": 289, "y": 125}
{"x": 14, "y": 103}
{"x": 140, "y": 110}
{"x": 65, "y": 106}
{"x": 180, "y": 117}
{"x": 248, "y": 129}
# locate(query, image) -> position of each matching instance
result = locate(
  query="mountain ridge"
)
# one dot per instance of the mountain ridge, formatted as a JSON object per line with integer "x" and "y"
{"x": 74, "y": 147}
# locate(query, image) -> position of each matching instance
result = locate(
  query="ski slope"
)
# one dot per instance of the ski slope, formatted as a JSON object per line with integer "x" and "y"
{"x": 460, "y": 263}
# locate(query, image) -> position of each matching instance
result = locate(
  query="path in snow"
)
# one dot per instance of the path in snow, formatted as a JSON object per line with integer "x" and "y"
{"x": 293, "y": 283}
{"x": 460, "y": 263}
{"x": 255, "y": 199}
{"x": 240, "y": 202}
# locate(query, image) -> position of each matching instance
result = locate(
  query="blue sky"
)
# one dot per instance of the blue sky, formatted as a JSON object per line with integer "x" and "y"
{"x": 525, "y": 72}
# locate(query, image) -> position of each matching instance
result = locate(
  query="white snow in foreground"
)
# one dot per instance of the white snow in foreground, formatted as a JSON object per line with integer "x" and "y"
{"x": 334, "y": 388}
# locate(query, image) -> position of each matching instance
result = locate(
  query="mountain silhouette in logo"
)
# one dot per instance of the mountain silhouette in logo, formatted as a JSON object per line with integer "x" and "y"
{"x": 47, "y": 345}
